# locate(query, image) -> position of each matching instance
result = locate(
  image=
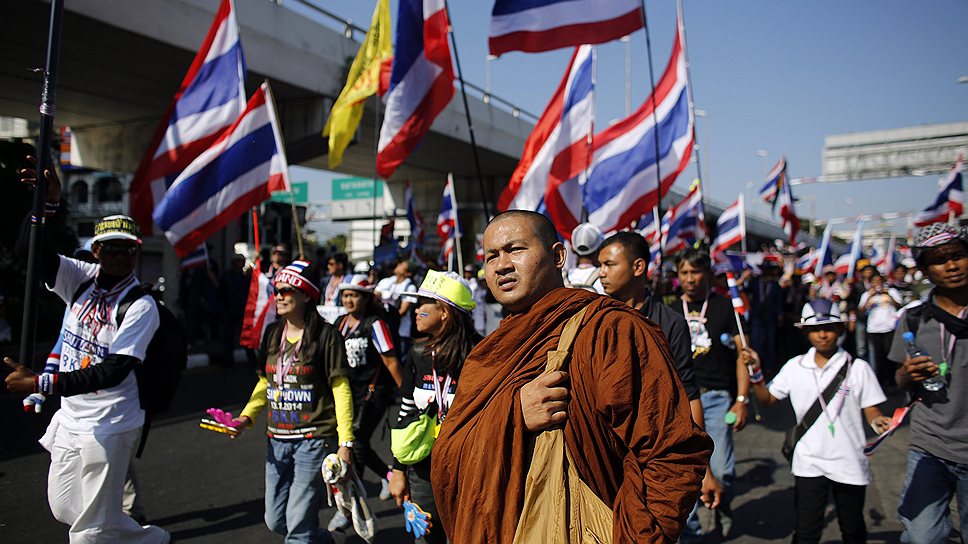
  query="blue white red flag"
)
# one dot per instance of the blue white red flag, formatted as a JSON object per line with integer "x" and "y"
{"x": 209, "y": 100}
{"x": 260, "y": 309}
{"x": 648, "y": 227}
{"x": 623, "y": 178}
{"x": 739, "y": 306}
{"x": 730, "y": 227}
{"x": 417, "y": 231}
{"x": 806, "y": 262}
{"x": 682, "y": 225}
{"x": 775, "y": 181}
{"x": 543, "y": 25}
{"x": 847, "y": 263}
{"x": 822, "y": 257}
{"x": 196, "y": 259}
{"x": 558, "y": 148}
{"x": 950, "y": 199}
{"x": 421, "y": 81}
{"x": 448, "y": 227}
{"x": 890, "y": 256}
{"x": 238, "y": 171}
{"x": 788, "y": 214}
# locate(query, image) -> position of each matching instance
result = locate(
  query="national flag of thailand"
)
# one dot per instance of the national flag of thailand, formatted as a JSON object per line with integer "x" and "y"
{"x": 847, "y": 262}
{"x": 733, "y": 260}
{"x": 682, "y": 225}
{"x": 416, "y": 222}
{"x": 209, "y": 100}
{"x": 623, "y": 178}
{"x": 730, "y": 227}
{"x": 648, "y": 227}
{"x": 950, "y": 199}
{"x": 558, "y": 148}
{"x": 805, "y": 262}
{"x": 195, "y": 259}
{"x": 421, "y": 81}
{"x": 739, "y": 306}
{"x": 238, "y": 171}
{"x": 448, "y": 228}
{"x": 260, "y": 309}
{"x": 775, "y": 181}
{"x": 890, "y": 256}
{"x": 822, "y": 256}
{"x": 788, "y": 215}
{"x": 543, "y": 25}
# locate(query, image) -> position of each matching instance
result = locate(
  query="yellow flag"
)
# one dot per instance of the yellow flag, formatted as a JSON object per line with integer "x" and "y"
{"x": 361, "y": 82}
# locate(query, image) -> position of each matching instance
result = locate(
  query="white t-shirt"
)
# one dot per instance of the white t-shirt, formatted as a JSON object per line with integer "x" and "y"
{"x": 586, "y": 276}
{"x": 838, "y": 455}
{"x": 390, "y": 291}
{"x": 88, "y": 339}
{"x": 882, "y": 315}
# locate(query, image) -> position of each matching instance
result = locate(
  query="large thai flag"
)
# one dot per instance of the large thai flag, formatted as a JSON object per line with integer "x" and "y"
{"x": 950, "y": 199}
{"x": 421, "y": 81}
{"x": 558, "y": 147}
{"x": 788, "y": 214}
{"x": 730, "y": 227}
{"x": 682, "y": 225}
{"x": 238, "y": 171}
{"x": 209, "y": 100}
{"x": 623, "y": 179}
{"x": 648, "y": 227}
{"x": 542, "y": 25}
{"x": 775, "y": 181}
{"x": 260, "y": 310}
{"x": 448, "y": 227}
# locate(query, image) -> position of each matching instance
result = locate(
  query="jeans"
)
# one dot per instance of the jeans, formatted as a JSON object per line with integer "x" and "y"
{"x": 811, "y": 501}
{"x": 369, "y": 415}
{"x": 294, "y": 486}
{"x": 928, "y": 488}
{"x": 422, "y": 493}
{"x": 715, "y": 404}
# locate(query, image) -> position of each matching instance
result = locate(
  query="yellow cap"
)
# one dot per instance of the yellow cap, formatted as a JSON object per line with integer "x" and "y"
{"x": 448, "y": 288}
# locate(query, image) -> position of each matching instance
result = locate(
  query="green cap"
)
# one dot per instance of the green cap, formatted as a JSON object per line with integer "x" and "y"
{"x": 446, "y": 287}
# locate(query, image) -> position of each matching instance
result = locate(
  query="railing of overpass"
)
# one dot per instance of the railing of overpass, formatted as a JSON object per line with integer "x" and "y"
{"x": 350, "y": 29}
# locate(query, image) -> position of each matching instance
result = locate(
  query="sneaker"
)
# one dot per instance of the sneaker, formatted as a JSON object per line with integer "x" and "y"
{"x": 338, "y": 523}
{"x": 385, "y": 490}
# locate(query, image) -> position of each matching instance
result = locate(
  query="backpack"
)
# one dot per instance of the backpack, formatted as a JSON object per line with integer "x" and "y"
{"x": 165, "y": 358}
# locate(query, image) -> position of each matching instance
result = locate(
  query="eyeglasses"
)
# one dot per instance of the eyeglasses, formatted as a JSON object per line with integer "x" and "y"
{"x": 119, "y": 251}
{"x": 285, "y": 291}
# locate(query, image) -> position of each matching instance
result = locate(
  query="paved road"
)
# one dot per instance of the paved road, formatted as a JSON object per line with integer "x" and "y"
{"x": 205, "y": 488}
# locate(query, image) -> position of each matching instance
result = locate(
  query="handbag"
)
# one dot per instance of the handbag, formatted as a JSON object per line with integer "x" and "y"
{"x": 795, "y": 433}
{"x": 411, "y": 440}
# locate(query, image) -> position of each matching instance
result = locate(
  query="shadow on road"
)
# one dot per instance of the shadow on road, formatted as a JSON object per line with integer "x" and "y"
{"x": 216, "y": 520}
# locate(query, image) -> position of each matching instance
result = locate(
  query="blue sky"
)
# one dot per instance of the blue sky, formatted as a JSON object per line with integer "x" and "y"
{"x": 776, "y": 76}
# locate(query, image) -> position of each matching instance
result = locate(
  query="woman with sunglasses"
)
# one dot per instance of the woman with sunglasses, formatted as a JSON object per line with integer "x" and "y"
{"x": 305, "y": 384}
{"x": 444, "y": 315}
{"x": 375, "y": 371}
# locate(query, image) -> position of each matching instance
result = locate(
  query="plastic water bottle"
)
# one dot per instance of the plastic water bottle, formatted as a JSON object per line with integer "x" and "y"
{"x": 934, "y": 383}
{"x": 727, "y": 340}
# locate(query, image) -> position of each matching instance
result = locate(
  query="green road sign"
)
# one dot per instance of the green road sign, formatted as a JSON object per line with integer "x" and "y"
{"x": 357, "y": 189}
{"x": 300, "y": 193}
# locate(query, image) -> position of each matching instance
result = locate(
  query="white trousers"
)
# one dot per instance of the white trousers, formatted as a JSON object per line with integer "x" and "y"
{"x": 85, "y": 486}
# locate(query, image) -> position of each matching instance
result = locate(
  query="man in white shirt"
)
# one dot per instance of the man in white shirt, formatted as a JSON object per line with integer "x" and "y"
{"x": 390, "y": 290}
{"x": 881, "y": 304}
{"x": 586, "y": 240}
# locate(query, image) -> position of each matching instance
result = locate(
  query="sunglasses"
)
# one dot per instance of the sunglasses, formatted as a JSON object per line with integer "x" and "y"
{"x": 119, "y": 251}
{"x": 944, "y": 258}
{"x": 284, "y": 291}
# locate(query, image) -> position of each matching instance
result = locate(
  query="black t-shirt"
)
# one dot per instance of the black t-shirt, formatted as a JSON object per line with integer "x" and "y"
{"x": 713, "y": 363}
{"x": 364, "y": 343}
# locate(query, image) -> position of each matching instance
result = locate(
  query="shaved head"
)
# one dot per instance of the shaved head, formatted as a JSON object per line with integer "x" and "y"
{"x": 544, "y": 229}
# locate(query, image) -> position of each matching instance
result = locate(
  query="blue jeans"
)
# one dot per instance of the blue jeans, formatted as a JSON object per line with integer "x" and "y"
{"x": 294, "y": 486}
{"x": 928, "y": 488}
{"x": 715, "y": 404}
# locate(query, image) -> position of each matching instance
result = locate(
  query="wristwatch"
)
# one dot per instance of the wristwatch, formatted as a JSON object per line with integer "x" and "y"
{"x": 742, "y": 398}
{"x": 347, "y": 444}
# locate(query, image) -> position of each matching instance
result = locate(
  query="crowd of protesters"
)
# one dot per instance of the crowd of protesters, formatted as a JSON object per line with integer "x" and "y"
{"x": 603, "y": 400}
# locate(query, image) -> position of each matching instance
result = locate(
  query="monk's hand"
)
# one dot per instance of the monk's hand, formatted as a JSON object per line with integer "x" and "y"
{"x": 21, "y": 381}
{"x": 398, "y": 487}
{"x": 544, "y": 400}
{"x": 711, "y": 492}
{"x": 739, "y": 409}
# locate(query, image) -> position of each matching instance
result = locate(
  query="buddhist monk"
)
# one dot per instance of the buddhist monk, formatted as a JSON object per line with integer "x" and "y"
{"x": 626, "y": 416}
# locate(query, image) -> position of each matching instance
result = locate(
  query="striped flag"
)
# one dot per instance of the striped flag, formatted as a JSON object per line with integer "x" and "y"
{"x": 788, "y": 215}
{"x": 648, "y": 227}
{"x": 847, "y": 262}
{"x": 730, "y": 227}
{"x": 775, "y": 181}
{"x": 822, "y": 256}
{"x": 196, "y": 259}
{"x": 739, "y": 306}
{"x": 890, "y": 256}
{"x": 543, "y": 25}
{"x": 209, "y": 100}
{"x": 950, "y": 199}
{"x": 260, "y": 309}
{"x": 558, "y": 147}
{"x": 421, "y": 81}
{"x": 448, "y": 228}
{"x": 239, "y": 171}
{"x": 682, "y": 225}
{"x": 622, "y": 181}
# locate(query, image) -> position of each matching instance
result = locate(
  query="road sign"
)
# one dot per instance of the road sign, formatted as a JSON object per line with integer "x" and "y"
{"x": 356, "y": 198}
{"x": 357, "y": 189}
{"x": 300, "y": 193}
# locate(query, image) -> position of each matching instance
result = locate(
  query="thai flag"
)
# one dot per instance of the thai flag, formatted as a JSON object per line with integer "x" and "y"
{"x": 950, "y": 199}
{"x": 682, "y": 225}
{"x": 623, "y": 179}
{"x": 209, "y": 100}
{"x": 260, "y": 309}
{"x": 775, "y": 181}
{"x": 648, "y": 227}
{"x": 788, "y": 215}
{"x": 847, "y": 262}
{"x": 739, "y": 306}
{"x": 558, "y": 148}
{"x": 821, "y": 257}
{"x": 806, "y": 262}
{"x": 448, "y": 228}
{"x": 416, "y": 222}
{"x": 730, "y": 227}
{"x": 421, "y": 81}
{"x": 242, "y": 167}
{"x": 890, "y": 256}
{"x": 196, "y": 259}
{"x": 543, "y": 25}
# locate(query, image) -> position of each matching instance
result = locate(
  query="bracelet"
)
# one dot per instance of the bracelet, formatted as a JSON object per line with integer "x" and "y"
{"x": 756, "y": 376}
{"x": 50, "y": 208}
{"x": 45, "y": 383}
{"x": 346, "y": 444}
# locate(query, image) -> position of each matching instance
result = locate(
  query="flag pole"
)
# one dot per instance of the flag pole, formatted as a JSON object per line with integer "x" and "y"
{"x": 655, "y": 115}
{"x": 742, "y": 221}
{"x": 692, "y": 106}
{"x": 453, "y": 204}
{"x": 467, "y": 113}
{"x": 48, "y": 102}
{"x": 376, "y": 176}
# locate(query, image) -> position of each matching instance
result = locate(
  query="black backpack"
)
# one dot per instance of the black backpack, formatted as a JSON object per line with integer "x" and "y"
{"x": 165, "y": 358}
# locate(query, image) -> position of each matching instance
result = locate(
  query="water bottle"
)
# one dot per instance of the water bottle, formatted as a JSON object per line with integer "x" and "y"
{"x": 934, "y": 383}
{"x": 727, "y": 340}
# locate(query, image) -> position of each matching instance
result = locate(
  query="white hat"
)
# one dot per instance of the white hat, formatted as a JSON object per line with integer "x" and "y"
{"x": 357, "y": 282}
{"x": 586, "y": 239}
{"x": 819, "y": 311}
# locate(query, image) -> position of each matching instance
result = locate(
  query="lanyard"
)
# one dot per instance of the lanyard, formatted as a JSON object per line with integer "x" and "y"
{"x": 946, "y": 357}
{"x": 845, "y": 384}
{"x": 702, "y": 312}
{"x": 283, "y": 363}
{"x": 345, "y": 329}
{"x": 440, "y": 394}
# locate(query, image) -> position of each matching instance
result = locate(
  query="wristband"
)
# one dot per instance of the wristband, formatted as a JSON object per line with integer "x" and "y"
{"x": 45, "y": 383}
{"x": 756, "y": 376}
{"x": 50, "y": 208}
{"x": 346, "y": 444}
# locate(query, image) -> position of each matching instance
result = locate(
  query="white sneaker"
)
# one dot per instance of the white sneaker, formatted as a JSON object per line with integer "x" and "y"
{"x": 385, "y": 490}
{"x": 338, "y": 523}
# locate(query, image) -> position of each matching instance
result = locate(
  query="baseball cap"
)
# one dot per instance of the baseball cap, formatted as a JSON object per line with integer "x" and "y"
{"x": 446, "y": 287}
{"x": 586, "y": 239}
{"x": 820, "y": 311}
{"x": 116, "y": 227}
